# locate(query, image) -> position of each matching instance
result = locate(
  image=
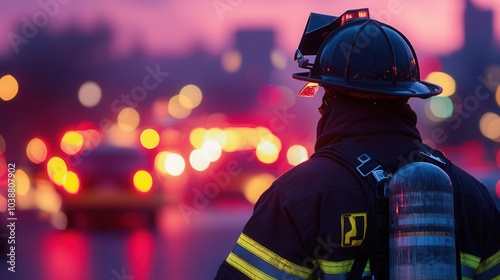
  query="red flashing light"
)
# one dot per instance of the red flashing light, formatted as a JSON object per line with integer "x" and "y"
{"x": 352, "y": 14}
{"x": 363, "y": 13}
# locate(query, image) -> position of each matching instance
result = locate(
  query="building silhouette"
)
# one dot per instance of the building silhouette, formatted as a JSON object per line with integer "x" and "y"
{"x": 473, "y": 68}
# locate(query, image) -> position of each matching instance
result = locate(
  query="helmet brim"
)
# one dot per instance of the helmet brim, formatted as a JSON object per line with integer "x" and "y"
{"x": 419, "y": 89}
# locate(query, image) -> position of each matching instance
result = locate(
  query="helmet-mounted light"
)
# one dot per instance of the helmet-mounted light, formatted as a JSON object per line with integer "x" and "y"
{"x": 352, "y": 14}
{"x": 318, "y": 27}
{"x": 309, "y": 90}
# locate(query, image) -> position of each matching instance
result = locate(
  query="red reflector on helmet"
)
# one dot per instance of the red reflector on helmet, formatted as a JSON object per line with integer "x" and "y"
{"x": 309, "y": 90}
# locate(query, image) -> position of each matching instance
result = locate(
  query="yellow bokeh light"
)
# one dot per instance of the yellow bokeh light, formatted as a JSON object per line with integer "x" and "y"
{"x": 197, "y": 136}
{"x": 296, "y": 154}
{"x": 36, "y": 150}
{"x": 160, "y": 162}
{"x": 267, "y": 152}
{"x": 143, "y": 181}
{"x": 444, "y": 80}
{"x": 278, "y": 59}
{"x": 218, "y": 135}
{"x": 71, "y": 182}
{"x": 240, "y": 138}
{"x": 56, "y": 168}
{"x": 248, "y": 138}
{"x": 190, "y": 96}
{"x": 150, "y": 138}
{"x": 256, "y": 185}
{"x": 213, "y": 149}
{"x": 233, "y": 141}
{"x": 72, "y": 142}
{"x": 199, "y": 159}
{"x": 261, "y": 133}
{"x": 271, "y": 138}
{"x": 22, "y": 182}
{"x": 89, "y": 94}
{"x": 176, "y": 109}
{"x": 231, "y": 61}
{"x": 489, "y": 125}
{"x": 8, "y": 87}
{"x": 128, "y": 119}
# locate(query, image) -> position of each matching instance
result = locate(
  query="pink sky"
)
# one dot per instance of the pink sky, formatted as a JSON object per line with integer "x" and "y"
{"x": 174, "y": 27}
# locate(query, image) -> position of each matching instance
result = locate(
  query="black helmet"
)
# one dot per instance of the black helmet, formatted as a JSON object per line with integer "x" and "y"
{"x": 364, "y": 56}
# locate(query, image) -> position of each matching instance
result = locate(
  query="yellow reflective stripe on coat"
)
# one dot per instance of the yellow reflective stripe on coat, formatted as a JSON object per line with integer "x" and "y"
{"x": 341, "y": 267}
{"x": 251, "y": 256}
{"x": 246, "y": 268}
{"x": 469, "y": 264}
{"x": 490, "y": 267}
{"x": 331, "y": 267}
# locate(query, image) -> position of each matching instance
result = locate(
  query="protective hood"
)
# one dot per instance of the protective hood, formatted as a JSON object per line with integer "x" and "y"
{"x": 391, "y": 120}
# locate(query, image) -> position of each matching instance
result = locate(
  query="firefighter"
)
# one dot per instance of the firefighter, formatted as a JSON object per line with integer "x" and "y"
{"x": 315, "y": 221}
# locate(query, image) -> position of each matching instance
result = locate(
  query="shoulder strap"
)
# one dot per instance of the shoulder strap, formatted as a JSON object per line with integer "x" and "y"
{"x": 430, "y": 155}
{"x": 373, "y": 177}
{"x": 368, "y": 168}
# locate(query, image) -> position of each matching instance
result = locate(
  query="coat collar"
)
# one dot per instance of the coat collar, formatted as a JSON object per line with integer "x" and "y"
{"x": 347, "y": 118}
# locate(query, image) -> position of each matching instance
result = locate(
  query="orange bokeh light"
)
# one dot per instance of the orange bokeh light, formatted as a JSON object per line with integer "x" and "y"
{"x": 256, "y": 185}
{"x": 36, "y": 150}
{"x": 8, "y": 87}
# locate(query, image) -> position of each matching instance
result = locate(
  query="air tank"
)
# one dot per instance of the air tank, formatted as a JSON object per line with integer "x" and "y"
{"x": 422, "y": 230}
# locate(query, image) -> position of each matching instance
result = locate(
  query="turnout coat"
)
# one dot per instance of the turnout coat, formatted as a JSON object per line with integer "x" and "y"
{"x": 311, "y": 222}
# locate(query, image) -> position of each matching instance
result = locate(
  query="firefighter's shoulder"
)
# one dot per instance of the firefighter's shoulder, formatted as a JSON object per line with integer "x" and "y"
{"x": 316, "y": 176}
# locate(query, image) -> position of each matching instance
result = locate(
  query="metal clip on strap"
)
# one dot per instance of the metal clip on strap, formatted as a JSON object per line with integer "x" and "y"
{"x": 370, "y": 166}
{"x": 379, "y": 177}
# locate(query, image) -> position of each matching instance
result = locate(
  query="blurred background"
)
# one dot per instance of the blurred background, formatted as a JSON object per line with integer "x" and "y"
{"x": 139, "y": 134}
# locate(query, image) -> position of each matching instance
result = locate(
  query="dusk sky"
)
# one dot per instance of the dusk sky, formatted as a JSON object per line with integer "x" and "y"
{"x": 175, "y": 27}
